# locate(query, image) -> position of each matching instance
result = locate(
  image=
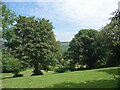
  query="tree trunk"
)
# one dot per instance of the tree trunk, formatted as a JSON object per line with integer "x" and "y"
{"x": 37, "y": 71}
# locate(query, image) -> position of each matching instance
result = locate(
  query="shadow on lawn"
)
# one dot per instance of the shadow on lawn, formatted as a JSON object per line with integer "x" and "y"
{"x": 113, "y": 71}
{"x": 12, "y": 77}
{"x": 7, "y": 77}
{"x": 115, "y": 83}
{"x": 89, "y": 84}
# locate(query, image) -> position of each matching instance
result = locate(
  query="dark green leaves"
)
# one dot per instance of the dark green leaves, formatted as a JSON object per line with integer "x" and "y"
{"x": 34, "y": 39}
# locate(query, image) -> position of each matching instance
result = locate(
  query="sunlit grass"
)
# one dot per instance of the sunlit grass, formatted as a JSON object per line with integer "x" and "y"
{"x": 97, "y": 78}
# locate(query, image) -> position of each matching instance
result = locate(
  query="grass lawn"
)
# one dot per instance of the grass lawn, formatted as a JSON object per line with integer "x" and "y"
{"x": 97, "y": 78}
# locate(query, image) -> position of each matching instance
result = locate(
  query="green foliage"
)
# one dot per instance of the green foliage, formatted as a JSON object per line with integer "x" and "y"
{"x": 31, "y": 42}
{"x": 110, "y": 38}
{"x": 63, "y": 64}
{"x": 1, "y": 42}
{"x": 8, "y": 18}
{"x": 10, "y": 64}
{"x": 82, "y": 48}
{"x": 96, "y": 49}
{"x": 62, "y": 69}
{"x": 34, "y": 40}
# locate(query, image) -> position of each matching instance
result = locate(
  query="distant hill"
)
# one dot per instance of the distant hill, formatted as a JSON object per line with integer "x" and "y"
{"x": 64, "y": 43}
{"x": 64, "y": 46}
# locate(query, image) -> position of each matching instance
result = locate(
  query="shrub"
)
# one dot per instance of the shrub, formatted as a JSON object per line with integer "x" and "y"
{"x": 11, "y": 64}
{"x": 62, "y": 69}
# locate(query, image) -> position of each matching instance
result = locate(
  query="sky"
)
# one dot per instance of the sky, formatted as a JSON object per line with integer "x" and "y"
{"x": 67, "y": 16}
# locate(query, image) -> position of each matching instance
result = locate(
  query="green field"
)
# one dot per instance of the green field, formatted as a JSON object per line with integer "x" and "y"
{"x": 96, "y": 78}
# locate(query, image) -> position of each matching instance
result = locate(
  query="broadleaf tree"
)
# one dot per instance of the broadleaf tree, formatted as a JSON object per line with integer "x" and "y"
{"x": 110, "y": 35}
{"x": 82, "y": 49}
{"x": 35, "y": 42}
{"x": 7, "y": 17}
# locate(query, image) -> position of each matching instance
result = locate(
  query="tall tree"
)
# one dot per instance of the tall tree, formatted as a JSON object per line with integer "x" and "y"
{"x": 82, "y": 48}
{"x": 34, "y": 40}
{"x": 9, "y": 63}
{"x": 7, "y": 17}
{"x": 110, "y": 35}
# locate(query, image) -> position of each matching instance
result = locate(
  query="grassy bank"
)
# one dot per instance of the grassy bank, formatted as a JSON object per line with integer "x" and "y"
{"x": 97, "y": 78}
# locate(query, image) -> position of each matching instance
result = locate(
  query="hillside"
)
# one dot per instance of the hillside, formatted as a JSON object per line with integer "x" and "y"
{"x": 97, "y": 78}
{"x": 64, "y": 46}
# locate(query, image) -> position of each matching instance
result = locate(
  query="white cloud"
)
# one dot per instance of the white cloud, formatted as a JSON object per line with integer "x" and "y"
{"x": 80, "y": 13}
{"x": 64, "y": 36}
{"x": 87, "y": 13}
{"x": 84, "y": 13}
{"x": 32, "y": 0}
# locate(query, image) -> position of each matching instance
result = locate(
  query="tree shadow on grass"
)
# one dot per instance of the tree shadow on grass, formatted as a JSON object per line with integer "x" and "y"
{"x": 113, "y": 71}
{"x": 7, "y": 77}
{"x": 115, "y": 83}
{"x": 12, "y": 77}
{"x": 89, "y": 84}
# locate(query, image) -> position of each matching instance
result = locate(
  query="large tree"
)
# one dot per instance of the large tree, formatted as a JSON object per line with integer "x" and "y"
{"x": 7, "y": 17}
{"x": 9, "y": 63}
{"x": 82, "y": 48}
{"x": 110, "y": 36}
{"x": 33, "y": 40}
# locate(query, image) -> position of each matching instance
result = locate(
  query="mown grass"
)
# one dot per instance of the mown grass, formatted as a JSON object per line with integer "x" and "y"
{"x": 97, "y": 78}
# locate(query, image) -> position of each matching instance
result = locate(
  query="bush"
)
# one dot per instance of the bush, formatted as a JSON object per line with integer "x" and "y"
{"x": 62, "y": 69}
{"x": 11, "y": 64}
{"x": 18, "y": 75}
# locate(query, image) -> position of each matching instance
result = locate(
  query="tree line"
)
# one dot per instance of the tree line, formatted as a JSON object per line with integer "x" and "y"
{"x": 29, "y": 42}
{"x": 91, "y": 48}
